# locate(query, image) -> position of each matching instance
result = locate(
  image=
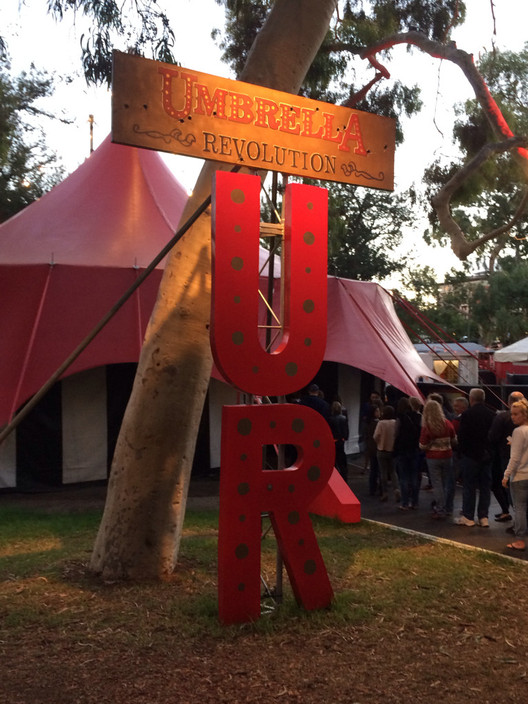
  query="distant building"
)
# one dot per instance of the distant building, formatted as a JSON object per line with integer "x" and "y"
{"x": 456, "y": 362}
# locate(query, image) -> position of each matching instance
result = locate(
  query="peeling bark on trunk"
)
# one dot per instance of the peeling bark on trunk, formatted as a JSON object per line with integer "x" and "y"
{"x": 141, "y": 528}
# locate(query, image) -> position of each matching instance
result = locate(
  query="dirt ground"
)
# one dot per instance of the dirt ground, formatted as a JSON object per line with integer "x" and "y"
{"x": 350, "y": 665}
{"x": 412, "y": 658}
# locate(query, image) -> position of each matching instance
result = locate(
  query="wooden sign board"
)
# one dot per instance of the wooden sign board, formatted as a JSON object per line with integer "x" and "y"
{"x": 174, "y": 109}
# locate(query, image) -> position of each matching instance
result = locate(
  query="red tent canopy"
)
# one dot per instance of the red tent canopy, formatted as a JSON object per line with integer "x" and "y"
{"x": 365, "y": 332}
{"x": 118, "y": 209}
{"x": 67, "y": 258}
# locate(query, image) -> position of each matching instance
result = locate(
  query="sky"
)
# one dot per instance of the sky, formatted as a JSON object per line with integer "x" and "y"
{"x": 33, "y": 37}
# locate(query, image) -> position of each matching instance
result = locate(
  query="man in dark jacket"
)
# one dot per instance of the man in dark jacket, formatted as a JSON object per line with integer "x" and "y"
{"x": 406, "y": 457}
{"x": 475, "y": 459}
{"x": 339, "y": 426}
{"x": 501, "y": 429}
{"x": 315, "y": 401}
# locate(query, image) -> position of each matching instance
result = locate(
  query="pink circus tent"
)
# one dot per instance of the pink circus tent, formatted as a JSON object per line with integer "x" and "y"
{"x": 67, "y": 258}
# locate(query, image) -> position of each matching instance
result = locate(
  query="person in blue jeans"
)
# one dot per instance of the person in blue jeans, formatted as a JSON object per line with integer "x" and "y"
{"x": 438, "y": 438}
{"x": 475, "y": 459}
{"x": 499, "y": 436}
{"x": 517, "y": 472}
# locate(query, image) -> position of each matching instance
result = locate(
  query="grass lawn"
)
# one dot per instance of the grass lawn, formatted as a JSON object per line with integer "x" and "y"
{"x": 411, "y": 620}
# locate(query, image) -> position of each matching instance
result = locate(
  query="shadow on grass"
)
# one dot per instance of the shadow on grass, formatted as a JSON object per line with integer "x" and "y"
{"x": 375, "y": 573}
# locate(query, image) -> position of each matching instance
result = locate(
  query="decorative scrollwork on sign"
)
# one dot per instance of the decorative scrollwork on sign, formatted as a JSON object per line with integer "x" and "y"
{"x": 350, "y": 168}
{"x": 175, "y": 135}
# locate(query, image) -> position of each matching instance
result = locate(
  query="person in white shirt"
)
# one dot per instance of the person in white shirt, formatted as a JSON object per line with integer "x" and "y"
{"x": 517, "y": 472}
{"x": 384, "y": 438}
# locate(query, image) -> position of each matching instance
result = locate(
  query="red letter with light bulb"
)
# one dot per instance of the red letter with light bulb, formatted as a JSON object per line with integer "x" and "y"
{"x": 246, "y": 489}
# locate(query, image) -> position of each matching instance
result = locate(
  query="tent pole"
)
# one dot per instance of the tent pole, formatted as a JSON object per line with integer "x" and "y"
{"x": 8, "y": 429}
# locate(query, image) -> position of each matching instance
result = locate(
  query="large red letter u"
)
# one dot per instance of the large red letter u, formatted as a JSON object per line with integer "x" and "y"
{"x": 236, "y": 344}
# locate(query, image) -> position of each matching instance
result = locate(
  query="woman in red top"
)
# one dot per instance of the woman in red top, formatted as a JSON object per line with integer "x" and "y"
{"x": 438, "y": 438}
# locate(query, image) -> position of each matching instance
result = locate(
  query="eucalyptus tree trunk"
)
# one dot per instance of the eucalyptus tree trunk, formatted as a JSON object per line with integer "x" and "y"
{"x": 140, "y": 532}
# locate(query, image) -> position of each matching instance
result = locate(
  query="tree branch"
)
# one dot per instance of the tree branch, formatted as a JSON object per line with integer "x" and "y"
{"x": 503, "y": 229}
{"x": 501, "y": 241}
{"x": 462, "y": 59}
{"x": 354, "y": 98}
{"x": 441, "y": 202}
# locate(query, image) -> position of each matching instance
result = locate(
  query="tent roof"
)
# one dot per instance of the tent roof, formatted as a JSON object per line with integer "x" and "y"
{"x": 517, "y": 352}
{"x": 66, "y": 259}
{"x": 365, "y": 332}
{"x": 119, "y": 208}
{"x": 455, "y": 349}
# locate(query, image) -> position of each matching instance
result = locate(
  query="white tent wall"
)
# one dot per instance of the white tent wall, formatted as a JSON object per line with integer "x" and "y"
{"x": 427, "y": 359}
{"x": 84, "y": 424}
{"x": 467, "y": 366}
{"x": 84, "y": 427}
{"x": 349, "y": 385}
{"x": 220, "y": 395}
{"x": 516, "y": 352}
{"x": 8, "y": 462}
{"x": 468, "y": 371}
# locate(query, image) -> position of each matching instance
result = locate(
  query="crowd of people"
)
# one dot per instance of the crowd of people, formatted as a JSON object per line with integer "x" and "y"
{"x": 467, "y": 443}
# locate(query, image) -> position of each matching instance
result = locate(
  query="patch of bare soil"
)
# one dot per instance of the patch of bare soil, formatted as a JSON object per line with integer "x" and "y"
{"x": 347, "y": 665}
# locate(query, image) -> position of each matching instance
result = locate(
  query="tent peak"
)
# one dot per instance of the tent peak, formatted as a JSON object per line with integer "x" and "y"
{"x": 120, "y": 206}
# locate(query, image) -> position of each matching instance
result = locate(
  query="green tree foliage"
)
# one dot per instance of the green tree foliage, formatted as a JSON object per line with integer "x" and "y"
{"x": 27, "y": 168}
{"x": 365, "y": 230}
{"x": 436, "y": 311}
{"x": 482, "y": 307}
{"x": 495, "y": 301}
{"x": 490, "y": 197}
{"x": 358, "y": 24}
{"x": 365, "y": 226}
{"x": 500, "y": 305}
{"x": 140, "y": 24}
